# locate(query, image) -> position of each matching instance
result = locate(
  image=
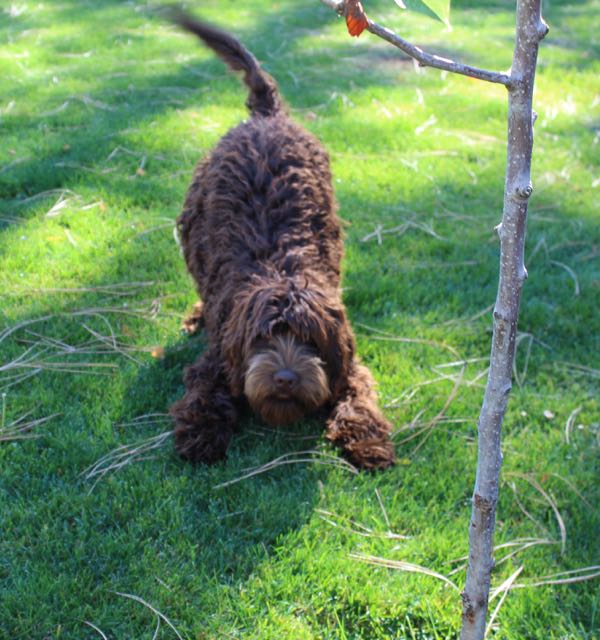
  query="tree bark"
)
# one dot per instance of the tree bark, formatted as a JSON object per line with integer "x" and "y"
{"x": 530, "y": 30}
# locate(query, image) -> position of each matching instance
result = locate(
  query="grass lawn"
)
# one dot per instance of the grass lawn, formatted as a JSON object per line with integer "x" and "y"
{"x": 104, "y": 110}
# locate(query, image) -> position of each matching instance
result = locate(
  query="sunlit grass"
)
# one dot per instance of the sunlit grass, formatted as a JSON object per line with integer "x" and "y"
{"x": 104, "y": 110}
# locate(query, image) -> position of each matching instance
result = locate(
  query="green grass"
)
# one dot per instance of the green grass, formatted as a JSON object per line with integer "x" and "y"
{"x": 92, "y": 92}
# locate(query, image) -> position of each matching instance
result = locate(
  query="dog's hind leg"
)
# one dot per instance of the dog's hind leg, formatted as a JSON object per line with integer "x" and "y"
{"x": 195, "y": 321}
{"x": 357, "y": 425}
{"x": 206, "y": 415}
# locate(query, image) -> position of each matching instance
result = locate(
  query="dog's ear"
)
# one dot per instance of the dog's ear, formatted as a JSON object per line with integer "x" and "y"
{"x": 340, "y": 345}
{"x": 235, "y": 343}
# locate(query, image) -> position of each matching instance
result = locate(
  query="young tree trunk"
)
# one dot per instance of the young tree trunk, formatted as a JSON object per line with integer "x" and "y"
{"x": 530, "y": 30}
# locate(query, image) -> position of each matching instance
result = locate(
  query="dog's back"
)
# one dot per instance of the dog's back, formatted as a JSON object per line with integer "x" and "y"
{"x": 264, "y": 195}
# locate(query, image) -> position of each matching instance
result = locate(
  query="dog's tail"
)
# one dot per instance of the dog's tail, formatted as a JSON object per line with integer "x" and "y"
{"x": 264, "y": 96}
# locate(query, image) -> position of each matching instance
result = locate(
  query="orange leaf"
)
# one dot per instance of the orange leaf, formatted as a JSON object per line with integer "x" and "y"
{"x": 158, "y": 352}
{"x": 356, "y": 18}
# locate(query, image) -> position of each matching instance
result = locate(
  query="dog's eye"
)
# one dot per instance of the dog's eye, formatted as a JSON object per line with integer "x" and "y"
{"x": 262, "y": 344}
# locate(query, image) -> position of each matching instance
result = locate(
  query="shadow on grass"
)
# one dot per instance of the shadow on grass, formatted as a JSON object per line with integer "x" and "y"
{"x": 77, "y": 132}
{"x": 162, "y": 514}
{"x": 237, "y": 525}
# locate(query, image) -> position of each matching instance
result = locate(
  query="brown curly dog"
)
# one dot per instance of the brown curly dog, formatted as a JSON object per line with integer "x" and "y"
{"x": 262, "y": 239}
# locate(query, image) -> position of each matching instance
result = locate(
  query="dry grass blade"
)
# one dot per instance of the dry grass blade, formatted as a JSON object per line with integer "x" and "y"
{"x": 574, "y": 489}
{"x": 571, "y": 272}
{"x": 381, "y": 506}
{"x": 580, "y": 369}
{"x": 410, "y": 426}
{"x": 357, "y": 528}
{"x": 288, "y": 435}
{"x": 19, "y": 430}
{"x": 506, "y": 585}
{"x": 11, "y": 381}
{"x": 10, "y": 165}
{"x": 140, "y": 312}
{"x": 570, "y": 572}
{"x": 159, "y": 227}
{"x": 536, "y": 485}
{"x": 417, "y": 423}
{"x": 296, "y": 457}
{"x": 520, "y": 543}
{"x": 113, "y": 344}
{"x": 26, "y": 358}
{"x": 379, "y": 231}
{"x": 460, "y": 363}
{"x": 403, "y": 566}
{"x": 474, "y": 381}
{"x": 481, "y": 313}
{"x": 47, "y": 194}
{"x": 428, "y": 426}
{"x": 384, "y": 335}
{"x": 95, "y": 628}
{"x": 124, "y": 455}
{"x": 162, "y": 616}
{"x": 524, "y": 545}
{"x": 524, "y": 511}
{"x": 504, "y": 588}
{"x": 21, "y": 325}
{"x": 155, "y": 636}
{"x": 453, "y": 393}
{"x": 83, "y": 167}
{"x": 589, "y": 573}
{"x": 146, "y": 420}
{"x": 61, "y": 204}
{"x": 418, "y": 427}
{"x": 520, "y": 377}
{"x": 540, "y": 244}
{"x": 40, "y": 355}
{"x": 409, "y": 393}
{"x": 400, "y": 230}
{"x": 570, "y": 423}
{"x": 470, "y": 319}
{"x": 118, "y": 289}
{"x": 9, "y": 219}
{"x": 78, "y": 367}
{"x": 51, "y": 354}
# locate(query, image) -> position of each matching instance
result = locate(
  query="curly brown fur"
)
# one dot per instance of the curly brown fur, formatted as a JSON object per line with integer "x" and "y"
{"x": 206, "y": 415}
{"x": 357, "y": 424}
{"x": 262, "y": 240}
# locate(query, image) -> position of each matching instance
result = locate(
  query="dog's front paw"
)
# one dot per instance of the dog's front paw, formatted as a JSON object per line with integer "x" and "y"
{"x": 363, "y": 433}
{"x": 198, "y": 444}
{"x": 376, "y": 453}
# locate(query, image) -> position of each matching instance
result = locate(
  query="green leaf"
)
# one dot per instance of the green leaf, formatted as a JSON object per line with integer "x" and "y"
{"x": 439, "y": 9}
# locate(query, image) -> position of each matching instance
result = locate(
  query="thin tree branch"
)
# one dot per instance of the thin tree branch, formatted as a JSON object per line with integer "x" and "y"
{"x": 422, "y": 57}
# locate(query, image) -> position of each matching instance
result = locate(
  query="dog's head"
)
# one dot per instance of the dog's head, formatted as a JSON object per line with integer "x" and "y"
{"x": 287, "y": 346}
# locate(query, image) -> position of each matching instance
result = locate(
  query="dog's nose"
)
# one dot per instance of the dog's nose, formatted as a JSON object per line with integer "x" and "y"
{"x": 285, "y": 379}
